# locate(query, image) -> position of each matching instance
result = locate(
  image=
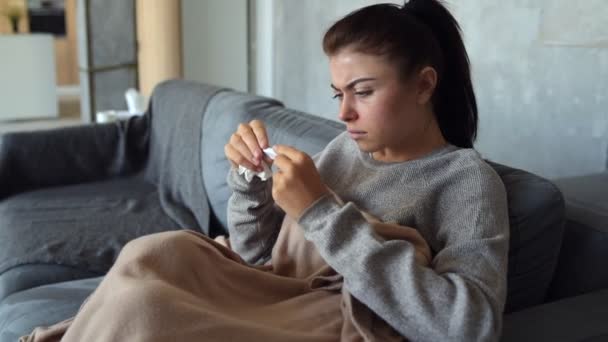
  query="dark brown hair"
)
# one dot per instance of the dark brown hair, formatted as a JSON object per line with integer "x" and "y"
{"x": 418, "y": 34}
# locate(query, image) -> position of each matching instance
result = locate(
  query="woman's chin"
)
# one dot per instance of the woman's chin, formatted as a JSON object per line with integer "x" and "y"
{"x": 365, "y": 146}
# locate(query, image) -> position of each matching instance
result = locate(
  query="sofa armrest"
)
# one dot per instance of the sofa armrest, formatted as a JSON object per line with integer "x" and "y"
{"x": 581, "y": 318}
{"x": 585, "y": 242}
{"x": 30, "y": 160}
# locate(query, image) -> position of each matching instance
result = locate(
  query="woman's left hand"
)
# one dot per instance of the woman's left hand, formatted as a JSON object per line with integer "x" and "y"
{"x": 297, "y": 183}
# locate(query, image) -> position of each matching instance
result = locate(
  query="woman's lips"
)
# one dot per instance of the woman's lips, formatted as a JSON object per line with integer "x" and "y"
{"x": 355, "y": 134}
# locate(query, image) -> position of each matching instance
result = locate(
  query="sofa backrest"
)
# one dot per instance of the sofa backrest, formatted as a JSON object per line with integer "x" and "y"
{"x": 536, "y": 218}
{"x": 536, "y": 207}
{"x": 174, "y": 137}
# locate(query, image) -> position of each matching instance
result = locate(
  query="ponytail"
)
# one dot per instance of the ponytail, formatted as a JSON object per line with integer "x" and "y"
{"x": 420, "y": 33}
{"x": 455, "y": 103}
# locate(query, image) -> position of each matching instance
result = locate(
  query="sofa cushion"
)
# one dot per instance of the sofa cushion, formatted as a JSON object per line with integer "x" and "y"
{"x": 82, "y": 227}
{"x": 536, "y": 215}
{"x": 21, "y": 312}
{"x": 226, "y": 111}
{"x": 579, "y": 269}
{"x": 582, "y": 318}
{"x": 32, "y": 275}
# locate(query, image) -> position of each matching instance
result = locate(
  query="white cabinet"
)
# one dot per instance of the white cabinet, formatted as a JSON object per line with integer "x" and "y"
{"x": 28, "y": 87}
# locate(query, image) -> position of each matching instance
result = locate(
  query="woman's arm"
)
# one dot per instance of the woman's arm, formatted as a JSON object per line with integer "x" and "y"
{"x": 459, "y": 298}
{"x": 254, "y": 220}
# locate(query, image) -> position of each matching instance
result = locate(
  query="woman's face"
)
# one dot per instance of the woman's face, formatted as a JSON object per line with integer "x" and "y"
{"x": 384, "y": 114}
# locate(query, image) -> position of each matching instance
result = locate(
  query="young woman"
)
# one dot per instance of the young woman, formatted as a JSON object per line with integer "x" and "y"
{"x": 402, "y": 79}
{"x": 397, "y": 229}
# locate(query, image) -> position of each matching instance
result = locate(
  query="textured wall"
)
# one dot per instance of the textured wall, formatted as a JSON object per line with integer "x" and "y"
{"x": 214, "y": 40}
{"x": 540, "y": 71}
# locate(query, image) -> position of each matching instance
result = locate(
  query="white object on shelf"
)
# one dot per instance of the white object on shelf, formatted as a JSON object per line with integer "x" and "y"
{"x": 112, "y": 115}
{"x": 28, "y": 80}
{"x": 136, "y": 102}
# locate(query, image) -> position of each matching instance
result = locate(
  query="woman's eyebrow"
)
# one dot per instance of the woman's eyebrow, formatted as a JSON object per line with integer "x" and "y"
{"x": 353, "y": 83}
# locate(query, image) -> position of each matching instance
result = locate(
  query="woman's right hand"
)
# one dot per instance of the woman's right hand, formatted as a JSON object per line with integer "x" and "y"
{"x": 246, "y": 144}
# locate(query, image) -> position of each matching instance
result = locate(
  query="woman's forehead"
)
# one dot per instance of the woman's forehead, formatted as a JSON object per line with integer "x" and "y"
{"x": 347, "y": 66}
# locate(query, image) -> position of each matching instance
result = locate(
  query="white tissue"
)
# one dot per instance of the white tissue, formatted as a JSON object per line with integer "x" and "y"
{"x": 265, "y": 174}
{"x": 270, "y": 153}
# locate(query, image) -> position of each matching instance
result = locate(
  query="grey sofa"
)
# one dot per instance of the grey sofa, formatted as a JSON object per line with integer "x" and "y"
{"x": 586, "y": 234}
{"x": 71, "y": 198}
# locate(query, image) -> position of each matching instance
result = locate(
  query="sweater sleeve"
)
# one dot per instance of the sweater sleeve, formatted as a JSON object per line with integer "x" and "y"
{"x": 254, "y": 220}
{"x": 460, "y": 297}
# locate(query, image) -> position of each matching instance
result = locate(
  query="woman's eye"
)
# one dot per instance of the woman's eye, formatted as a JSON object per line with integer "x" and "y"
{"x": 337, "y": 96}
{"x": 364, "y": 93}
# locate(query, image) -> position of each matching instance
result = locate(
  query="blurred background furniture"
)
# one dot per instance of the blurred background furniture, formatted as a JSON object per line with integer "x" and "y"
{"x": 28, "y": 87}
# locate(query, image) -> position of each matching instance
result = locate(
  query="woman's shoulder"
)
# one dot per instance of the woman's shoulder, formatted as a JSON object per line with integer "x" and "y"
{"x": 466, "y": 170}
{"x": 341, "y": 141}
{"x": 338, "y": 146}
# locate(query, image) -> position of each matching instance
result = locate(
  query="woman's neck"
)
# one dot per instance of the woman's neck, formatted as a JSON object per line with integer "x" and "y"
{"x": 429, "y": 139}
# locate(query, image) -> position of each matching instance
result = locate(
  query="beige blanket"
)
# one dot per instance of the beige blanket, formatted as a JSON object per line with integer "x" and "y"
{"x": 183, "y": 286}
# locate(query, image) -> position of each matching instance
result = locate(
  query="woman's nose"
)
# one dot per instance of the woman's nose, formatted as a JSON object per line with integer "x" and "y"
{"x": 347, "y": 112}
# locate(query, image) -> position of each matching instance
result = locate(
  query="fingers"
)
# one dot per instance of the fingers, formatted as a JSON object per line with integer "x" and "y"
{"x": 259, "y": 130}
{"x": 248, "y": 137}
{"x": 246, "y": 144}
{"x": 236, "y": 141}
{"x": 236, "y": 158}
{"x": 283, "y": 164}
{"x": 294, "y": 154}
{"x": 268, "y": 160}
{"x": 288, "y": 159}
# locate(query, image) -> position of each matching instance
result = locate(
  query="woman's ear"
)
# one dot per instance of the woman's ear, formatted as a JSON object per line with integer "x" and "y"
{"x": 427, "y": 82}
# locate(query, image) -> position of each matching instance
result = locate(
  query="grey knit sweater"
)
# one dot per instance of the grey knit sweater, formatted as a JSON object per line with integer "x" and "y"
{"x": 451, "y": 196}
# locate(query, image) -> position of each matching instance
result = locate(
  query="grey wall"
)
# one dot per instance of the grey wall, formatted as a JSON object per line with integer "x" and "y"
{"x": 540, "y": 70}
{"x": 214, "y": 41}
